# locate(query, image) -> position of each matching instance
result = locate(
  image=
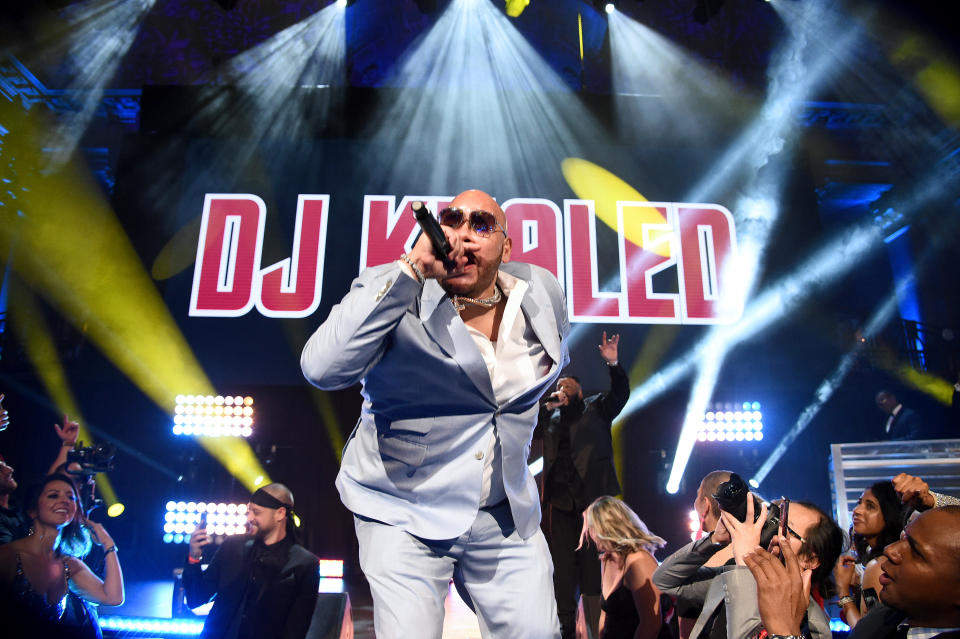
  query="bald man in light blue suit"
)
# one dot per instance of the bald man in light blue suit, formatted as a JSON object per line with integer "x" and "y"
{"x": 453, "y": 361}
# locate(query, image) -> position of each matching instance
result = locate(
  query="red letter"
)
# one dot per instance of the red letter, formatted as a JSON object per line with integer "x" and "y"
{"x": 534, "y": 225}
{"x": 228, "y": 255}
{"x": 656, "y": 252}
{"x": 707, "y": 239}
{"x": 584, "y": 299}
{"x": 292, "y": 287}
{"x": 387, "y": 231}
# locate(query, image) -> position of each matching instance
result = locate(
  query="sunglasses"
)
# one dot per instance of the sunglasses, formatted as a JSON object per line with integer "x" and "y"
{"x": 483, "y": 223}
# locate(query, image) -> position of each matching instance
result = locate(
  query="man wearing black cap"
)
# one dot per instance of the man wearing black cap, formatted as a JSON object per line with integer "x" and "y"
{"x": 265, "y": 584}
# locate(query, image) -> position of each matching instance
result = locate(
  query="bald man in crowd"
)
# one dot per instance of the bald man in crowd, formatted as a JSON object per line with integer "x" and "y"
{"x": 263, "y": 584}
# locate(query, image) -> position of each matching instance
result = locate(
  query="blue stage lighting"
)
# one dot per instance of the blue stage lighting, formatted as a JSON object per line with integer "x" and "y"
{"x": 727, "y": 426}
{"x": 140, "y": 626}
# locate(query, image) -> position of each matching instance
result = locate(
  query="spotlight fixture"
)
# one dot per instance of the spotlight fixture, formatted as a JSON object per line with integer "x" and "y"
{"x": 730, "y": 423}
{"x": 607, "y": 6}
{"x": 331, "y": 575}
{"x": 703, "y": 10}
{"x": 213, "y": 416}
{"x": 694, "y": 525}
{"x": 181, "y": 518}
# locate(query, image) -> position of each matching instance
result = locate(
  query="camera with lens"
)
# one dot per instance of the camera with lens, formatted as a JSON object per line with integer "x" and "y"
{"x": 91, "y": 459}
{"x": 732, "y": 497}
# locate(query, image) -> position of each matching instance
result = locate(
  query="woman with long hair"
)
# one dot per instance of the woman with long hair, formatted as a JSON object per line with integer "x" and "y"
{"x": 877, "y": 521}
{"x": 38, "y": 572}
{"x": 631, "y": 603}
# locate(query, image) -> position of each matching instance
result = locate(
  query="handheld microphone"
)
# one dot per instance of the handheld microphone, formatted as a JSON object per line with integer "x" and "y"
{"x": 430, "y": 226}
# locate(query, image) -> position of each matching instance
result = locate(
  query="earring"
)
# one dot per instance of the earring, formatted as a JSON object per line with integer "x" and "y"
{"x": 31, "y": 532}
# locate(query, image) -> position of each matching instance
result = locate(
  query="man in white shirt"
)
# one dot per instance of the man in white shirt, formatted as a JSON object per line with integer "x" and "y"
{"x": 453, "y": 359}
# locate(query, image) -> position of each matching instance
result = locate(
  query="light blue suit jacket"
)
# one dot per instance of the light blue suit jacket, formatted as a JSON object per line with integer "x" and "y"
{"x": 415, "y": 459}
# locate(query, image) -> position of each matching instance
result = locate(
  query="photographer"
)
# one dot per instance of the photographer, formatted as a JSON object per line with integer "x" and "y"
{"x": 684, "y": 573}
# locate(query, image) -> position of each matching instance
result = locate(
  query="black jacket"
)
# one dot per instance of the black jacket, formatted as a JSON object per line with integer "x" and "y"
{"x": 591, "y": 446}
{"x": 907, "y": 425}
{"x": 881, "y": 623}
{"x": 280, "y": 582}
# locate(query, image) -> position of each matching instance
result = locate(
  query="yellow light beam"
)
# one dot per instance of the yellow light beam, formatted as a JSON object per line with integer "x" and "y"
{"x": 71, "y": 249}
{"x": 28, "y": 323}
{"x": 593, "y": 182}
{"x": 330, "y": 422}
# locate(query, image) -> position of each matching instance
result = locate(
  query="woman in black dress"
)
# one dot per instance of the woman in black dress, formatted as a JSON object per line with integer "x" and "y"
{"x": 631, "y": 603}
{"x": 41, "y": 572}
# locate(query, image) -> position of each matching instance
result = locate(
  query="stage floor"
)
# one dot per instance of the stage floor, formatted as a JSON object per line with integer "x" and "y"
{"x": 152, "y": 600}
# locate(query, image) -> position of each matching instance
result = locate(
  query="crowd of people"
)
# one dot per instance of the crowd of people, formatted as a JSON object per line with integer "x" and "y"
{"x": 454, "y": 345}
{"x": 455, "y": 348}
{"x": 262, "y": 584}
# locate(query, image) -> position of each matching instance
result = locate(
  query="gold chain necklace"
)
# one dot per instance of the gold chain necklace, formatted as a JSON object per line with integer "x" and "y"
{"x": 489, "y": 302}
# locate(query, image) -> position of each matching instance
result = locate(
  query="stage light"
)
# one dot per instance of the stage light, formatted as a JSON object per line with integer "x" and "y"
{"x": 694, "y": 525}
{"x": 213, "y": 416}
{"x": 331, "y": 567}
{"x": 115, "y": 509}
{"x": 837, "y": 625}
{"x": 515, "y": 7}
{"x": 774, "y": 127}
{"x": 828, "y": 386}
{"x": 610, "y": 7}
{"x": 128, "y": 626}
{"x": 727, "y": 425}
{"x": 223, "y": 519}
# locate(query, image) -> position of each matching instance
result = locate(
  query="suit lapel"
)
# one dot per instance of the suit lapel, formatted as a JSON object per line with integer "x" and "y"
{"x": 710, "y": 603}
{"x": 543, "y": 325}
{"x": 444, "y": 326}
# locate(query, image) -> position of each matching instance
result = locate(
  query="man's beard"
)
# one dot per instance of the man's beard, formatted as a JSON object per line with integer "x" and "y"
{"x": 486, "y": 276}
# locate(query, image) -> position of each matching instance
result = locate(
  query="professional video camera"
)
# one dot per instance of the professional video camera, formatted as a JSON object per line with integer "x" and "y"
{"x": 92, "y": 459}
{"x": 732, "y": 497}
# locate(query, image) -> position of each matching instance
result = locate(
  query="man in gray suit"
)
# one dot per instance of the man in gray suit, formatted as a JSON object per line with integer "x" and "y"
{"x": 453, "y": 360}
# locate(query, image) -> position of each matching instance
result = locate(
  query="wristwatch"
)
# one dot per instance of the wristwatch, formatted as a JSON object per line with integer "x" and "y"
{"x": 786, "y": 637}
